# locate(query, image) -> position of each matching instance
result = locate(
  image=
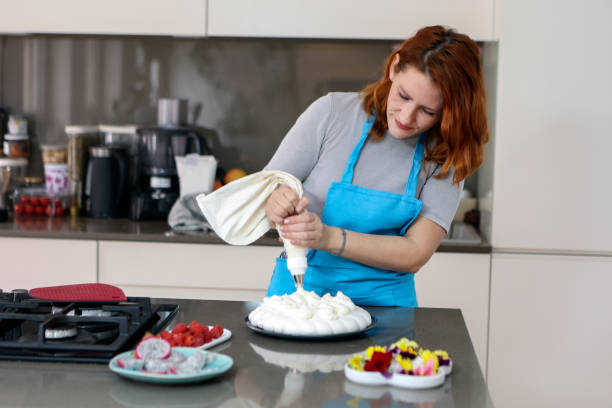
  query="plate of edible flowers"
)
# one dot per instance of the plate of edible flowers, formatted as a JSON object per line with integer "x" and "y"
{"x": 401, "y": 364}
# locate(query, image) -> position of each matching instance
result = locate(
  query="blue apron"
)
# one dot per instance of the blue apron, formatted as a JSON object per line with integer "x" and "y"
{"x": 367, "y": 211}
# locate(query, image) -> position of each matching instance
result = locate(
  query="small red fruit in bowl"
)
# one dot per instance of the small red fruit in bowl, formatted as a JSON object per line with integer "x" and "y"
{"x": 28, "y": 208}
{"x": 18, "y": 208}
{"x": 59, "y": 210}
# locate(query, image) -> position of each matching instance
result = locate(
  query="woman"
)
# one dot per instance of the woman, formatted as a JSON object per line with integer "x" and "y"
{"x": 382, "y": 171}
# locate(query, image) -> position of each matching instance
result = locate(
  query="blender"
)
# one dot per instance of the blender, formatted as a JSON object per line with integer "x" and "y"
{"x": 157, "y": 183}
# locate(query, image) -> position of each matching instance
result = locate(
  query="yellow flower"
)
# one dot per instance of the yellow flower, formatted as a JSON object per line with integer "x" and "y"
{"x": 356, "y": 362}
{"x": 405, "y": 363}
{"x": 442, "y": 354}
{"x": 403, "y": 344}
{"x": 370, "y": 350}
{"x": 427, "y": 355}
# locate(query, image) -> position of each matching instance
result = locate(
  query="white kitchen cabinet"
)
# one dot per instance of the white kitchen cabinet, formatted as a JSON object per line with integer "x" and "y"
{"x": 459, "y": 281}
{"x": 550, "y": 331}
{"x": 552, "y": 189}
{"x": 139, "y": 17}
{"x": 33, "y": 262}
{"x": 195, "y": 271}
{"x": 383, "y": 19}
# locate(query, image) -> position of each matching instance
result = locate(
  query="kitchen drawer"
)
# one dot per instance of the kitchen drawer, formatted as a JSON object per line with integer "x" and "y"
{"x": 35, "y": 262}
{"x": 198, "y": 271}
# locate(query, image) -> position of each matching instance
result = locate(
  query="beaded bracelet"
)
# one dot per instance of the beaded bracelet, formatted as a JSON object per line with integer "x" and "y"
{"x": 343, "y": 242}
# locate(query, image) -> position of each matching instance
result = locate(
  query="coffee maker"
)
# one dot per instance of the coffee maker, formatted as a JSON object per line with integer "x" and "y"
{"x": 157, "y": 184}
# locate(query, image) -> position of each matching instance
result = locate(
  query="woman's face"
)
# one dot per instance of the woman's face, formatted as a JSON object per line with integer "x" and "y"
{"x": 414, "y": 104}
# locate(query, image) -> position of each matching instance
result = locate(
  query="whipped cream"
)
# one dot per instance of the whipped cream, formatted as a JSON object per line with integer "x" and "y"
{"x": 306, "y": 313}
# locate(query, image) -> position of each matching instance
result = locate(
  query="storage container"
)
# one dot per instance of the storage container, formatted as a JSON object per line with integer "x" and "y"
{"x": 80, "y": 139}
{"x": 35, "y": 201}
{"x": 16, "y": 145}
{"x": 54, "y": 154}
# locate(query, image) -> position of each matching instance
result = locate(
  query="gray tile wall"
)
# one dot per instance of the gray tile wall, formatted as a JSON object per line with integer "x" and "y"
{"x": 249, "y": 91}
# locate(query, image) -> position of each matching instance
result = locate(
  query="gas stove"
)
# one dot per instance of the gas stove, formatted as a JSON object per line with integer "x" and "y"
{"x": 91, "y": 332}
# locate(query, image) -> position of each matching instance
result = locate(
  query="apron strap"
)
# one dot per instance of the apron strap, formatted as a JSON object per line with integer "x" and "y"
{"x": 413, "y": 178}
{"x": 347, "y": 176}
{"x": 411, "y": 185}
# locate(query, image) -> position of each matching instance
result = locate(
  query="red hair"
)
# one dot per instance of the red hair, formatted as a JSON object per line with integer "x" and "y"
{"x": 452, "y": 61}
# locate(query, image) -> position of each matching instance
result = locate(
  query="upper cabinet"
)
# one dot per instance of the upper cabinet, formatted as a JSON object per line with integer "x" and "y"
{"x": 351, "y": 19}
{"x": 115, "y": 17}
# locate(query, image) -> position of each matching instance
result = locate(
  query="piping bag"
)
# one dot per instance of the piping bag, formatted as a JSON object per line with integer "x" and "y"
{"x": 237, "y": 213}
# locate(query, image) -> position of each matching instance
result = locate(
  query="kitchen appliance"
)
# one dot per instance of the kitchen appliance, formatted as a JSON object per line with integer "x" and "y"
{"x": 125, "y": 136}
{"x": 92, "y": 332}
{"x": 171, "y": 112}
{"x": 157, "y": 185}
{"x": 105, "y": 187}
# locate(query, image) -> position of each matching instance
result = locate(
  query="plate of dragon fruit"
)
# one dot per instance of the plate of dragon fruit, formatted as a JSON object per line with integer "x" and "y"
{"x": 155, "y": 360}
{"x": 401, "y": 364}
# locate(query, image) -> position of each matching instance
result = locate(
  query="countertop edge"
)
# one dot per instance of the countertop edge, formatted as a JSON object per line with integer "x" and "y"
{"x": 170, "y": 236}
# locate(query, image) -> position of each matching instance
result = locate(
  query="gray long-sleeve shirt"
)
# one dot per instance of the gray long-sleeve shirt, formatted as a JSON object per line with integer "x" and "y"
{"x": 316, "y": 150}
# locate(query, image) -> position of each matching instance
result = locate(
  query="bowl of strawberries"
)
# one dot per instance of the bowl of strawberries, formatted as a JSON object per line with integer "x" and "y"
{"x": 195, "y": 334}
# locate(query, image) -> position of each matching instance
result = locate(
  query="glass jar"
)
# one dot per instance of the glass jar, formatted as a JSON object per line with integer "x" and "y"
{"x": 54, "y": 154}
{"x": 16, "y": 145}
{"x": 80, "y": 139}
{"x": 12, "y": 173}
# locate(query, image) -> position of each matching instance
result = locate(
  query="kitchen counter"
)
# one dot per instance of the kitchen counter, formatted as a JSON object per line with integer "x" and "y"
{"x": 267, "y": 371}
{"x": 157, "y": 231}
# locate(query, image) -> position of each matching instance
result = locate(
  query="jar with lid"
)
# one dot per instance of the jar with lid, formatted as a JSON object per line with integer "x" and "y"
{"x": 16, "y": 145}
{"x": 54, "y": 154}
{"x": 55, "y": 159}
{"x": 80, "y": 139}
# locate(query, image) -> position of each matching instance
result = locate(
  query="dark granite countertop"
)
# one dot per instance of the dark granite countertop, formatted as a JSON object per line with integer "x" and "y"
{"x": 151, "y": 231}
{"x": 267, "y": 371}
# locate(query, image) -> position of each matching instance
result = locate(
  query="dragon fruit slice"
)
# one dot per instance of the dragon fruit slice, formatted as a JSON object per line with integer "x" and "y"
{"x": 153, "y": 348}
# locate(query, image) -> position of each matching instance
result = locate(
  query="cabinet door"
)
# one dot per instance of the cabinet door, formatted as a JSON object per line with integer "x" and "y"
{"x": 33, "y": 262}
{"x": 550, "y": 331}
{"x": 195, "y": 271}
{"x": 383, "y": 19}
{"x": 552, "y": 186}
{"x": 459, "y": 281}
{"x": 144, "y": 17}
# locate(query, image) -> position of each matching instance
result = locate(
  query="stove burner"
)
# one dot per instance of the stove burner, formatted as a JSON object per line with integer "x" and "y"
{"x": 93, "y": 332}
{"x": 58, "y": 310}
{"x": 84, "y": 312}
{"x": 95, "y": 312}
{"x": 61, "y": 331}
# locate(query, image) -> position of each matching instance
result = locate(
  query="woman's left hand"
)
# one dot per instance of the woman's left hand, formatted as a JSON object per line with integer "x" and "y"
{"x": 306, "y": 229}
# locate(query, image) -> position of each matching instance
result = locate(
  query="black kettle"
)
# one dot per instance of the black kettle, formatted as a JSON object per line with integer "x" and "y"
{"x": 105, "y": 186}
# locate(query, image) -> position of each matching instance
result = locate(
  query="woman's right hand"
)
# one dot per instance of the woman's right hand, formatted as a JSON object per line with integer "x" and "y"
{"x": 282, "y": 203}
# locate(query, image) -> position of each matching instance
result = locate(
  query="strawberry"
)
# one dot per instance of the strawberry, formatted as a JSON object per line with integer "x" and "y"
{"x": 217, "y": 331}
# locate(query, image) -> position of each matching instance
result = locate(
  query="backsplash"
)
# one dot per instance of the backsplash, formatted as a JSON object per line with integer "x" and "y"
{"x": 248, "y": 92}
